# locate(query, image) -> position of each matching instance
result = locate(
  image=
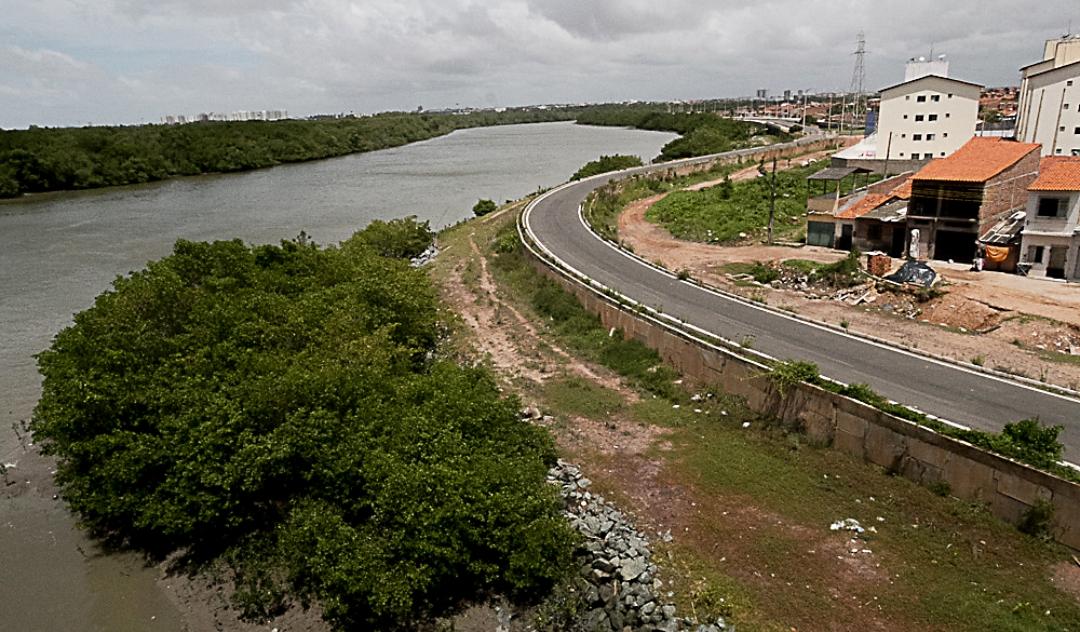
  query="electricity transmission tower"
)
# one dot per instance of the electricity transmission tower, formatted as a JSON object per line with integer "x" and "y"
{"x": 858, "y": 78}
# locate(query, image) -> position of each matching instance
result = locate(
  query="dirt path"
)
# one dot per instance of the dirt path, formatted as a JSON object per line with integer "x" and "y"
{"x": 996, "y": 304}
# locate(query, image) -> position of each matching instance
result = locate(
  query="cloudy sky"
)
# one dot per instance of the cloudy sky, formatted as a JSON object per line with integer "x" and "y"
{"x": 72, "y": 62}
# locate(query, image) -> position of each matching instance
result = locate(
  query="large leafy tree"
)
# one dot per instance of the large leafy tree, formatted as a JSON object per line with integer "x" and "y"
{"x": 284, "y": 410}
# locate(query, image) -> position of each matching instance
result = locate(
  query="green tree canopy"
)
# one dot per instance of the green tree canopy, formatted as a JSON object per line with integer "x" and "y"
{"x": 404, "y": 238}
{"x": 284, "y": 410}
{"x": 484, "y": 207}
{"x": 606, "y": 164}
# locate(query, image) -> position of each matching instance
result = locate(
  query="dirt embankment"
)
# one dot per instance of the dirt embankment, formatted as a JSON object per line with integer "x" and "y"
{"x": 1014, "y": 324}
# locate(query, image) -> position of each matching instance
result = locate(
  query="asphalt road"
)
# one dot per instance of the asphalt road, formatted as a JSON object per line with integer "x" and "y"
{"x": 947, "y": 391}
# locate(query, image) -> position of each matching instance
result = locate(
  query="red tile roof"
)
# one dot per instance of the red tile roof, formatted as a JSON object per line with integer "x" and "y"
{"x": 868, "y": 203}
{"x": 1058, "y": 173}
{"x": 903, "y": 191}
{"x": 979, "y": 160}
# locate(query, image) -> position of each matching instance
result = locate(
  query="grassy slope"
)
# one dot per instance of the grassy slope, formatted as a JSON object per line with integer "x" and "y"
{"x": 721, "y": 214}
{"x": 757, "y": 504}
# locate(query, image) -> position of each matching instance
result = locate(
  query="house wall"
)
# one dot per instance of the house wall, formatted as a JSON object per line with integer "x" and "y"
{"x": 957, "y": 112}
{"x": 1052, "y": 232}
{"x": 1007, "y": 192}
{"x": 878, "y": 165}
{"x": 1050, "y": 111}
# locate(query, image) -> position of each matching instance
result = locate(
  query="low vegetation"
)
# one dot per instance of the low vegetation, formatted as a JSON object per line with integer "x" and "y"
{"x": 286, "y": 411}
{"x": 1027, "y": 440}
{"x": 729, "y": 214}
{"x": 606, "y": 164}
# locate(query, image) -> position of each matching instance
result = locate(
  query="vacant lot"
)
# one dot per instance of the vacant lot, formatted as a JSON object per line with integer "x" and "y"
{"x": 749, "y": 507}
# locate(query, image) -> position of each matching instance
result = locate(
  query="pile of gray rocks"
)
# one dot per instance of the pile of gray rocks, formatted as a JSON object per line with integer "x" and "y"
{"x": 616, "y": 578}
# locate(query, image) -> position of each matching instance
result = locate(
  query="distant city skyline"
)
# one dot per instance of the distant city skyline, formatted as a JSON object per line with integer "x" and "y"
{"x": 74, "y": 62}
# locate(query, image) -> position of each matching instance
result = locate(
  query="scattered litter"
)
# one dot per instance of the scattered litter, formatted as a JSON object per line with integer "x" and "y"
{"x": 746, "y": 424}
{"x": 696, "y": 398}
{"x": 847, "y": 524}
{"x": 881, "y": 519}
{"x": 611, "y": 334}
{"x": 675, "y": 406}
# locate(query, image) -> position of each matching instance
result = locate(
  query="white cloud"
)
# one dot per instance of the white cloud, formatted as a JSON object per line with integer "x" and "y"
{"x": 68, "y": 61}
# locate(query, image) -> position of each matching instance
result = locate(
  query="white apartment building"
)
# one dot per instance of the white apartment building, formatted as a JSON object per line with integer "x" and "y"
{"x": 1049, "y": 108}
{"x": 1051, "y": 238}
{"x": 929, "y": 115}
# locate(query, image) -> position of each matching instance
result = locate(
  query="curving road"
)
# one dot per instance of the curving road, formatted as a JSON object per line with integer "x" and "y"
{"x": 947, "y": 391}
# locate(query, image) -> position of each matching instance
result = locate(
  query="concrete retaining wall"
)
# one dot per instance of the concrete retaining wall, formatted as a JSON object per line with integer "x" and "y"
{"x": 1008, "y": 488}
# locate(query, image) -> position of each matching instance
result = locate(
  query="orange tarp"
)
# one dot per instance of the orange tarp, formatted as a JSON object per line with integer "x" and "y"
{"x": 996, "y": 254}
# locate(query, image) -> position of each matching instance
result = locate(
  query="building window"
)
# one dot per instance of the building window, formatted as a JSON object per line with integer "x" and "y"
{"x": 918, "y": 118}
{"x": 901, "y": 154}
{"x": 907, "y": 97}
{"x": 1076, "y": 130}
{"x": 1064, "y": 106}
{"x": 903, "y": 135}
{"x": 937, "y": 97}
{"x": 930, "y": 137}
{"x": 1058, "y": 150}
{"x": 932, "y": 117}
{"x": 1076, "y": 152}
{"x": 1069, "y": 82}
{"x": 942, "y": 154}
{"x": 921, "y": 98}
{"x": 1035, "y": 254}
{"x": 916, "y": 137}
{"x": 1049, "y": 207}
{"x": 945, "y": 135}
{"x": 1061, "y": 129}
{"x": 947, "y": 115}
{"x": 950, "y": 95}
{"x": 905, "y": 117}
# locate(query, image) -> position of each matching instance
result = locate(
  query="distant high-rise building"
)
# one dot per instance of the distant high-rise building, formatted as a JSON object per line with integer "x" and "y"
{"x": 763, "y": 94}
{"x": 1049, "y": 109}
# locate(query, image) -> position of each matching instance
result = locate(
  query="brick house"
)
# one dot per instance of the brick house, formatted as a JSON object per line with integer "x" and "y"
{"x": 955, "y": 201}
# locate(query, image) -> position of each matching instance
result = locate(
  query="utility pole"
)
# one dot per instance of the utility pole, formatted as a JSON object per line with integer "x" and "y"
{"x": 772, "y": 197}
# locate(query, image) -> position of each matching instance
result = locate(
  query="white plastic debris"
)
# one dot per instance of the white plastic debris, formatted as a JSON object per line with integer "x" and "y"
{"x": 847, "y": 524}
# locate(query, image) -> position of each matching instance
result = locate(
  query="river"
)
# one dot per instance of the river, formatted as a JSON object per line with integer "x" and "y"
{"x": 58, "y": 251}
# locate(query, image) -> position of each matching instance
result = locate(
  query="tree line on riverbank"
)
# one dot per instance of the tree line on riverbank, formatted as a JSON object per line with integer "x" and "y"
{"x": 699, "y": 134}
{"x": 50, "y": 159}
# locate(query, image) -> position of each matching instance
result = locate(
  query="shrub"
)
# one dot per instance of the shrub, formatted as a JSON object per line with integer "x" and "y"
{"x": 606, "y": 164}
{"x": 403, "y": 238}
{"x": 788, "y": 375}
{"x": 484, "y": 207}
{"x": 1037, "y": 520}
{"x": 763, "y": 273}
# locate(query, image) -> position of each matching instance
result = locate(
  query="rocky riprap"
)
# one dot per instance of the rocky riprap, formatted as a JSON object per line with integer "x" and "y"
{"x": 617, "y": 580}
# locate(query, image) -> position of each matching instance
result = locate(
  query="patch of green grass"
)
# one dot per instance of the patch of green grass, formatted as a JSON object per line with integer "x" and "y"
{"x": 804, "y": 266}
{"x": 1062, "y": 358}
{"x": 575, "y": 396}
{"x": 943, "y": 563}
